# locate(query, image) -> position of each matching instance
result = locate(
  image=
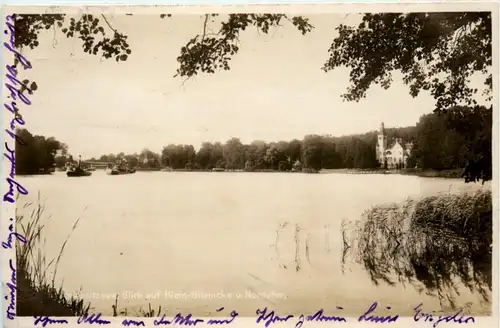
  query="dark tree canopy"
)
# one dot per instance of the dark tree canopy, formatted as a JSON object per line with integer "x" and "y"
{"x": 436, "y": 52}
{"x": 38, "y": 154}
{"x": 206, "y": 52}
{"x": 96, "y": 37}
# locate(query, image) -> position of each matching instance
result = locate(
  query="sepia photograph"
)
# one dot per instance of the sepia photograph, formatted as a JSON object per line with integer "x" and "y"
{"x": 175, "y": 163}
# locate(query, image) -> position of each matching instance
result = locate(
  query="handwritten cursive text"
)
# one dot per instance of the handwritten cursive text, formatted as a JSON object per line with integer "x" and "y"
{"x": 92, "y": 319}
{"x": 233, "y": 315}
{"x": 14, "y": 86}
{"x": 44, "y": 321}
{"x": 376, "y": 319}
{"x": 8, "y": 244}
{"x": 270, "y": 318}
{"x": 11, "y": 309}
{"x": 428, "y": 317}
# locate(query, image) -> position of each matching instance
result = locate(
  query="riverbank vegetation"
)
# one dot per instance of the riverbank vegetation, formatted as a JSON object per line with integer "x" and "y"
{"x": 448, "y": 174}
{"x": 431, "y": 241}
{"x": 36, "y": 154}
{"x": 37, "y": 292}
{"x": 455, "y": 144}
{"x": 435, "y": 244}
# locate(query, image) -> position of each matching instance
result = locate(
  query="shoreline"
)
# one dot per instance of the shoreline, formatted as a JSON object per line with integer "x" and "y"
{"x": 445, "y": 174}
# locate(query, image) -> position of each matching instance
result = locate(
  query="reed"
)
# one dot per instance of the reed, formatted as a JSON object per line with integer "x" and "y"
{"x": 37, "y": 294}
{"x": 435, "y": 244}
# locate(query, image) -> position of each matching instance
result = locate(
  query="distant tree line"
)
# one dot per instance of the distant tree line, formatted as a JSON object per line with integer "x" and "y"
{"x": 313, "y": 152}
{"x": 460, "y": 138}
{"x": 146, "y": 158}
{"x": 36, "y": 154}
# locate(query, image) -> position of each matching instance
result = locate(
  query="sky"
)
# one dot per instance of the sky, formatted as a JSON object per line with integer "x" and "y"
{"x": 274, "y": 91}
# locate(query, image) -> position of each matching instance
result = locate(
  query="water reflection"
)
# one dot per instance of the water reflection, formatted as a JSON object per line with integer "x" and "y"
{"x": 274, "y": 234}
{"x": 433, "y": 244}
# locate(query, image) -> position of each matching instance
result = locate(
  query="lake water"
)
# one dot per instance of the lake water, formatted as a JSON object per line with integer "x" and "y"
{"x": 198, "y": 241}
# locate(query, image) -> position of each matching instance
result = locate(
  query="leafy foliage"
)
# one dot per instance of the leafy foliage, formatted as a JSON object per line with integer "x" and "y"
{"x": 206, "y": 53}
{"x": 475, "y": 126}
{"x": 210, "y": 52}
{"x": 88, "y": 28}
{"x": 438, "y": 52}
{"x": 36, "y": 154}
{"x": 460, "y": 139}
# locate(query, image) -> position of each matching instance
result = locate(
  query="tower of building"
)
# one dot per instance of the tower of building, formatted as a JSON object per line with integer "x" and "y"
{"x": 382, "y": 140}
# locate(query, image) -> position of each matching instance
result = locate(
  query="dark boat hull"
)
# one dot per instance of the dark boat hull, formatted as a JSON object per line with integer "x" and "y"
{"x": 78, "y": 174}
{"x": 113, "y": 172}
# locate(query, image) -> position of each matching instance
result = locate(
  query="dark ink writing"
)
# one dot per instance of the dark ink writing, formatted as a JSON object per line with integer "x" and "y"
{"x": 8, "y": 244}
{"x": 376, "y": 319}
{"x": 300, "y": 322}
{"x": 131, "y": 322}
{"x": 233, "y": 315}
{"x": 11, "y": 309}
{"x": 319, "y": 316}
{"x": 11, "y": 81}
{"x": 44, "y": 321}
{"x": 11, "y": 44}
{"x": 179, "y": 319}
{"x": 270, "y": 317}
{"x": 458, "y": 317}
{"x": 92, "y": 319}
{"x": 14, "y": 86}
{"x": 9, "y": 196}
{"x": 187, "y": 321}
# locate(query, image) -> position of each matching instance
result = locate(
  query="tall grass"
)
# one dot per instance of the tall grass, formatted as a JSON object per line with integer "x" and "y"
{"x": 37, "y": 293}
{"x": 433, "y": 244}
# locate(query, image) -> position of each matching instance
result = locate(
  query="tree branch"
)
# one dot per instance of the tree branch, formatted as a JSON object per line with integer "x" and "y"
{"x": 204, "y": 28}
{"x": 107, "y": 22}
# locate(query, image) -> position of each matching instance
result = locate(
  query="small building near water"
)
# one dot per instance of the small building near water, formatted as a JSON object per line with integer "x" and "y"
{"x": 393, "y": 154}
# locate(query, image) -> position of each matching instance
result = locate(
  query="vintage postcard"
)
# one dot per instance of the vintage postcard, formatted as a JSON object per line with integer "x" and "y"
{"x": 263, "y": 166}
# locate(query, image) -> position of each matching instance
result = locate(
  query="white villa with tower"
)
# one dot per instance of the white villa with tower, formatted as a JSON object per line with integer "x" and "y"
{"x": 393, "y": 154}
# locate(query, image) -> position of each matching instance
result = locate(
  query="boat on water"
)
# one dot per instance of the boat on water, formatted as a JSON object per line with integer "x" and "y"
{"x": 119, "y": 168}
{"x": 77, "y": 171}
{"x": 115, "y": 170}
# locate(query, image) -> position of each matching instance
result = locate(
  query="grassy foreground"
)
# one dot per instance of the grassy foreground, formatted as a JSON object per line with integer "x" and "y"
{"x": 36, "y": 291}
{"x": 37, "y": 294}
{"x": 433, "y": 244}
